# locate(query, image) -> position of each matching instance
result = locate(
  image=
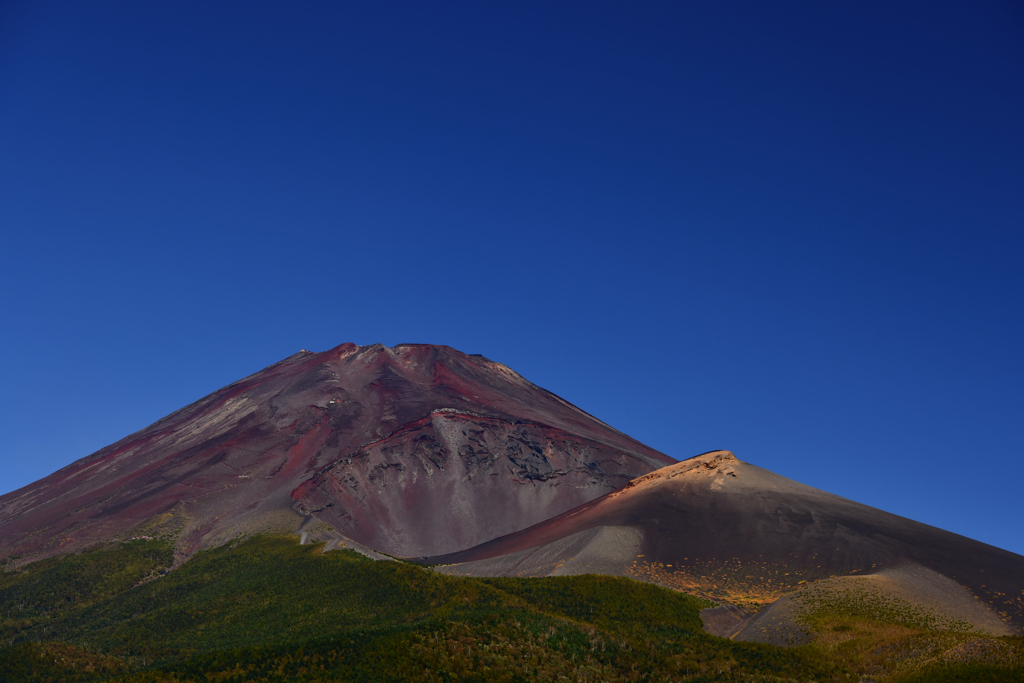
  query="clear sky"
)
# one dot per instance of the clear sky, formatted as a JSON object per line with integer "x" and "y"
{"x": 792, "y": 230}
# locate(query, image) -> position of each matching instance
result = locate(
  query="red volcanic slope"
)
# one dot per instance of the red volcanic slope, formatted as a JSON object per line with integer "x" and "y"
{"x": 412, "y": 450}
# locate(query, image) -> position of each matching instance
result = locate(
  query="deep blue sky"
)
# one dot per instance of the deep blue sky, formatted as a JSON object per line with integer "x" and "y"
{"x": 791, "y": 230}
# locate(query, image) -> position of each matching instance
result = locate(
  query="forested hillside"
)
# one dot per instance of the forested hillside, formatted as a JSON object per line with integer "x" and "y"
{"x": 269, "y": 609}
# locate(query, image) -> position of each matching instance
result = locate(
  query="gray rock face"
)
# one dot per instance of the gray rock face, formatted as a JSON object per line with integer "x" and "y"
{"x": 454, "y": 480}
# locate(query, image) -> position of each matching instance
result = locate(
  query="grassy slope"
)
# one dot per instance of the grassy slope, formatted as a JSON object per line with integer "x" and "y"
{"x": 270, "y": 610}
{"x": 891, "y": 639}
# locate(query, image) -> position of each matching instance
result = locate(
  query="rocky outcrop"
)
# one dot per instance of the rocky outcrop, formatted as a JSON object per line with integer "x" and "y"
{"x": 454, "y": 480}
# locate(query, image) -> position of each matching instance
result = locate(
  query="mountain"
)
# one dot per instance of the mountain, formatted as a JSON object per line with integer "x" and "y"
{"x": 716, "y": 526}
{"x": 411, "y": 450}
{"x": 424, "y": 452}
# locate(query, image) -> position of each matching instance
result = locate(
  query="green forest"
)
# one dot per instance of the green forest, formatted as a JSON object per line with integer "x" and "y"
{"x": 269, "y": 609}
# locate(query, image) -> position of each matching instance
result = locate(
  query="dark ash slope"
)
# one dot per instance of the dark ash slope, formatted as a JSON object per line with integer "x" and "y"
{"x": 720, "y": 527}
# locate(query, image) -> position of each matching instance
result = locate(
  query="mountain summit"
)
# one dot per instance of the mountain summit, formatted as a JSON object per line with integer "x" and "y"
{"x": 412, "y": 450}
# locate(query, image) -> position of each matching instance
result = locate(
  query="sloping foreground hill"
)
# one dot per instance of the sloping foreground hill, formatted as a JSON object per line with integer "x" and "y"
{"x": 412, "y": 450}
{"x": 270, "y": 609}
{"x": 733, "y": 532}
